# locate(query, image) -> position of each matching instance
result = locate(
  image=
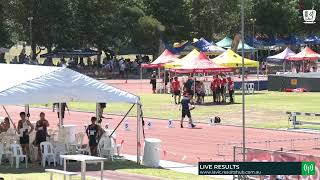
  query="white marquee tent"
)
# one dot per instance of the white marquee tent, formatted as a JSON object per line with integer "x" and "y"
{"x": 22, "y": 84}
{"x": 28, "y": 84}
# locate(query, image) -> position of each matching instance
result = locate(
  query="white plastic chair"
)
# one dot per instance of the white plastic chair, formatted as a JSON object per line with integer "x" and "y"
{"x": 18, "y": 154}
{"x": 60, "y": 149}
{"x": 79, "y": 143}
{"x": 47, "y": 153}
{"x": 106, "y": 147}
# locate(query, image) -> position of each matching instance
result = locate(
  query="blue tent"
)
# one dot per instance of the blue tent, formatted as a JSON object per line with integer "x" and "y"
{"x": 209, "y": 48}
{"x": 312, "y": 39}
{"x": 178, "y": 47}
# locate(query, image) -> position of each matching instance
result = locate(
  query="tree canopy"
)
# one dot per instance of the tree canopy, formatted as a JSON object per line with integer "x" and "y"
{"x": 105, "y": 24}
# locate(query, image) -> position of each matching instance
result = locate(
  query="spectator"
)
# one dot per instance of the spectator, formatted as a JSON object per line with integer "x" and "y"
{"x": 213, "y": 87}
{"x": 92, "y": 133}
{"x": 14, "y": 60}
{"x": 189, "y": 87}
{"x": 231, "y": 89}
{"x": 41, "y": 131}
{"x": 200, "y": 91}
{"x": 175, "y": 85}
{"x": 153, "y": 81}
{"x": 5, "y": 125}
{"x": 24, "y": 129}
{"x": 224, "y": 85}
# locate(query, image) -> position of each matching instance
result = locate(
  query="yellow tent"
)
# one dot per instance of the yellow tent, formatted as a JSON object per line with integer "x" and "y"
{"x": 232, "y": 59}
{"x": 180, "y": 62}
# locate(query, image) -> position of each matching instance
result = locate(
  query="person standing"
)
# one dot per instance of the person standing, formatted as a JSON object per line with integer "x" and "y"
{"x": 231, "y": 89}
{"x": 185, "y": 106}
{"x": 218, "y": 89}
{"x": 63, "y": 109}
{"x": 41, "y": 131}
{"x": 24, "y": 129}
{"x": 102, "y": 106}
{"x": 213, "y": 87}
{"x": 189, "y": 86}
{"x": 153, "y": 81}
{"x": 224, "y": 84}
{"x": 175, "y": 84}
{"x": 92, "y": 133}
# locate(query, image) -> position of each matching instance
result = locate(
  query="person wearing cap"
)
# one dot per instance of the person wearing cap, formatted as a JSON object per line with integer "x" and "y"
{"x": 92, "y": 133}
{"x": 175, "y": 84}
{"x": 185, "y": 106}
{"x": 231, "y": 89}
{"x": 153, "y": 81}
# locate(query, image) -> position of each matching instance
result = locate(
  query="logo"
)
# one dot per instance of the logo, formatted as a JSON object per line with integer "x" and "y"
{"x": 309, "y": 16}
{"x": 308, "y": 168}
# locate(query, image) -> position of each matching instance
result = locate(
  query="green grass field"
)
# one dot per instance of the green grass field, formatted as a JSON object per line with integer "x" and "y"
{"x": 34, "y": 172}
{"x": 263, "y": 109}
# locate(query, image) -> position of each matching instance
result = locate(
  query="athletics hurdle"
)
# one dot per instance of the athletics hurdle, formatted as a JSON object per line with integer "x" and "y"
{"x": 295, "y": 122}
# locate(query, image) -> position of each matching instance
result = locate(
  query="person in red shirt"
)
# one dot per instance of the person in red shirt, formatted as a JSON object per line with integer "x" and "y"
{"x": 223, "y": 88}
{"x": 175, "y": 84}
{"x": 218, "y": 83}
{"x": 213, "y": 88}
{"x": 231, "y": 89}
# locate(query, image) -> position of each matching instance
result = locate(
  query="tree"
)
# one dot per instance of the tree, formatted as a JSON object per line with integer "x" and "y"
{"x": 173, "y": 15}
{"x": 213, "y": 19}
{"x": 4, "y": 31}
{"x": 143, "y": 32}
{"x": 49, "y": 21}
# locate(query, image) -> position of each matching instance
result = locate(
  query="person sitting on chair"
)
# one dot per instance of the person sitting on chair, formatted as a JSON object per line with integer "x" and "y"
{"x": 5, "y": 125}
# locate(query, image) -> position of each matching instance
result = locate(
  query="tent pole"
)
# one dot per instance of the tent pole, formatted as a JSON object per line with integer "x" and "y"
{"x": 284, "y": 66}
{"x": 121, "y": 120}
{"x": 60, "y": 115}
{"x": 258, "y": 78}
{"x": 140, "y": 77}
{"x": 164, "y": 81}
{"x": 27, "y": 110}
{"x": 97, "y": 113}
{"x": 10, "y": 118}
{"x": 138, "y": 133}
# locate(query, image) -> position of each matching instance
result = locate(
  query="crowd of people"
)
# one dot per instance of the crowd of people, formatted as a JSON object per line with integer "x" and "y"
{"x": 194, "y": 92}
{"x": 25, "y": 128}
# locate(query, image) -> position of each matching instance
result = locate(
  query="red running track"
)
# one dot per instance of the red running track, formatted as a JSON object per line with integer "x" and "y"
{"x": 181, "y": 145}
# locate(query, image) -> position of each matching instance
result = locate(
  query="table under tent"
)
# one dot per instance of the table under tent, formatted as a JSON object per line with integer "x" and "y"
{"x": 29, "y": 84}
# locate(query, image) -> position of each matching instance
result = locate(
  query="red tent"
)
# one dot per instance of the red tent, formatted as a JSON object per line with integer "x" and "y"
{"x": 305, "y": 54}
{"x": 165, "y": 57}
{"x": 199, "y": 63}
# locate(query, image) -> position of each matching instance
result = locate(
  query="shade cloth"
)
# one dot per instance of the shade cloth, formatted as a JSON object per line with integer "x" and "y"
{"x": 231, "y": 59}
{"x": 198, "y": 62}
{"x": 285, "y": 54}
{"x": 165, "y": 57}
{"x": 305, "y": 54}
{"x": 30, "y": 84}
